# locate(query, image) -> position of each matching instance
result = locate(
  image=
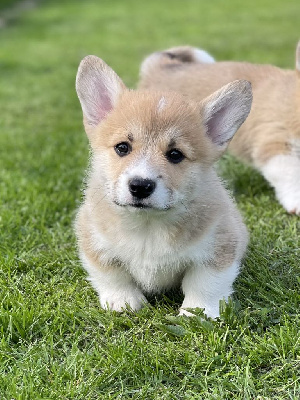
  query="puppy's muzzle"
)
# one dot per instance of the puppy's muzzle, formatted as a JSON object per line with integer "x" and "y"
{"x": 141, "y": 188}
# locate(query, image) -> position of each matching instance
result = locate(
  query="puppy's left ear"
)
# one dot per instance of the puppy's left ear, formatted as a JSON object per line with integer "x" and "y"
{"x": 224, "y": 111}
{"x": 98, "y": 88}
{"x": 298, "y": 58}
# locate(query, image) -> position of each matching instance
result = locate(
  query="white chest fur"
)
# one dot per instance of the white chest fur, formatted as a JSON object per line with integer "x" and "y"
{"x": 152, "y": 257}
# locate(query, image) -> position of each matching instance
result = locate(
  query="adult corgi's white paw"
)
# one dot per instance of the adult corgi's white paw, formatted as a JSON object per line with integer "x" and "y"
{"x": 202, "y": 56}
{"x": 177, "y": 55}
{"x": 290, "y": 202}
{"x": 121, "y": 300}
{"x": 188, "y": 54}
{"x": 283, "y": 173}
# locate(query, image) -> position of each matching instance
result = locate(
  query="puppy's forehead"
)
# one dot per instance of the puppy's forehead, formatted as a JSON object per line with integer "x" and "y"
{"x": 166, "y": 132}
{"x": 155, "y": 114}
{"x": 162, "y": 102}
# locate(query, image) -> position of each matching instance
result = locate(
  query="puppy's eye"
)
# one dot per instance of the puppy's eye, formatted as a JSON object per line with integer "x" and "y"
{"x": 122, "y": 149}
{"x": 174, "y": 156}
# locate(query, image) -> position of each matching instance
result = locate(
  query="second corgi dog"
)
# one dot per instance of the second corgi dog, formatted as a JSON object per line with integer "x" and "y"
{"x": 270, "y": 138}
{"x": 155, "y": 214}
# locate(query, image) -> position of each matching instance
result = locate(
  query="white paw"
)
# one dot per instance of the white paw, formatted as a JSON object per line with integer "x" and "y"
{"x": 182, "y": 311}
{"x": 211, "y": 312}
{"x": 202, "y": 56}
{"x": 120, "y": 300}
{"x": 291, "y": 201}
{"x": 150, "y": 62}
{"x": 283, "y": 173}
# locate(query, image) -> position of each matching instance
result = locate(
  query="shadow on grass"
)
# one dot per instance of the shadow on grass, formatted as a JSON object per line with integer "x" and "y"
{"x": 242, "y": 179}
{"x": 172, "y": 298}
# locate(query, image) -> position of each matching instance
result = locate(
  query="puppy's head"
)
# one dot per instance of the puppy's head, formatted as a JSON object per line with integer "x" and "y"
{"x": 153, "y": 151}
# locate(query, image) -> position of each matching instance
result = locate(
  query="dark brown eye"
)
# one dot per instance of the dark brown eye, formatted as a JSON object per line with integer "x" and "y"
{"x": 174, "y": 156}
{"x": 122, "y": 149}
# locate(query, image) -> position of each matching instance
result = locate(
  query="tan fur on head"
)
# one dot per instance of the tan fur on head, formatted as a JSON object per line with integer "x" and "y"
{"x": 273, "y": 126}
{"x": 155, "y": 213}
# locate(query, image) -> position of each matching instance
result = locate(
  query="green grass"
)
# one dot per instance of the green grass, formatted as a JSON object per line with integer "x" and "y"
{"x": 56, "y": 343}
{"x": 4, "y": 4}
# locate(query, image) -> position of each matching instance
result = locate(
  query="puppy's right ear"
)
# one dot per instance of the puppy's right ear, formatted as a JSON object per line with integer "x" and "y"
{"x": 98, "y": 88}
{"x": 224, "y": 112}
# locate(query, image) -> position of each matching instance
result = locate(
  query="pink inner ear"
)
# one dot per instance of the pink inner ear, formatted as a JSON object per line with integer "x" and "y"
{"x": 97, "y": 102}
{"x": 105, "y": 103}
{"x": 215, "y": 130}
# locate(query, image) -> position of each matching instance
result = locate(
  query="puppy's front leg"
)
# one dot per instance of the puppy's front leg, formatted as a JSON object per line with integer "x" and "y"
{"x": 204, "y": 286}
{"x": 114, "y": 285}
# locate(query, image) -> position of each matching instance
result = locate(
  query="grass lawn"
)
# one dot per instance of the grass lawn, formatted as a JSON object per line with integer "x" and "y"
{"x": 56, "y": 342}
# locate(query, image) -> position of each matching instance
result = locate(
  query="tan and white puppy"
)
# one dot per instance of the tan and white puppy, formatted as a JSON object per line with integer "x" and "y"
{"x": 270, "y": 138}
{"x": 155, "y": 214}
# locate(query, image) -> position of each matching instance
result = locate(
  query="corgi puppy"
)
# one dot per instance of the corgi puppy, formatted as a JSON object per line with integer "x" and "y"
{"x": 270, "y": 138}
{"x": 155, "y": 214}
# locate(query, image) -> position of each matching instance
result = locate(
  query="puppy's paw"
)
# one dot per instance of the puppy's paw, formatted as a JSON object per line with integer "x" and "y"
{"x": 211, "y": 312}
{"x": 182, "y": 311}
{"x": 120, "y": 300}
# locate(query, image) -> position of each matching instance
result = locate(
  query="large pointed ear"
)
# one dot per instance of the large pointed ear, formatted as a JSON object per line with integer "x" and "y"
{"x": 224, "y": 112}
{"x": 98, "y": 88}
{"x": 298, "y": 57}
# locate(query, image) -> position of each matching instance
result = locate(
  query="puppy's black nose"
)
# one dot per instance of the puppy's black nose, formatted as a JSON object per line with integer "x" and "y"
{"x": 141, "y": 188}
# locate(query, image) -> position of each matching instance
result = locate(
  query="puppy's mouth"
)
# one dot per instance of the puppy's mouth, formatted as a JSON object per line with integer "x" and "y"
{"x": 141, "y": 206}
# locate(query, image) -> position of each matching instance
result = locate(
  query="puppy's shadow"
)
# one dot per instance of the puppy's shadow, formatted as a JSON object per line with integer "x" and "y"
{"x": 172, "y": 298}
{"x": 242, "y": 179}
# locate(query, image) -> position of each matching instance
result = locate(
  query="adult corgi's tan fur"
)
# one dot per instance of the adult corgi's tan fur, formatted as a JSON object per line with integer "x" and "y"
{"x": 155, "y": 214}
{"x": 270, "y": 138}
